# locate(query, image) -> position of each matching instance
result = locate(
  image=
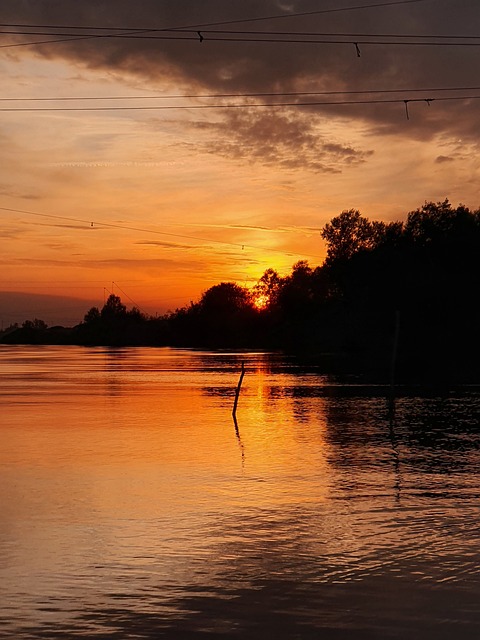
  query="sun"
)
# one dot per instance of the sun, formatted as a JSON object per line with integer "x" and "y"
{"x": 260, "y": 301}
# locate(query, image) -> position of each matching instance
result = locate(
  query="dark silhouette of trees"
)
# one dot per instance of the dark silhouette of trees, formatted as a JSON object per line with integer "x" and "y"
{"x": 350, "y": 233}
{"x": 35, "y": 325}
{"x": 113, "y": 309}
{"x": 425, "y": 270}
{"x": 225, "y": 316}
{"x": 428, "y": 269}
{"x": 267, "y": 289}
{"x": 225, "y": 298}
{"x": 92, "y": 316}
{"x": 35, "y": 332}
{"x": 114, "y": 325}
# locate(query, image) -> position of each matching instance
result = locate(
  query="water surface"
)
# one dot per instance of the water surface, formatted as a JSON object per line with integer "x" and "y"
{"x": 133, "y": 507}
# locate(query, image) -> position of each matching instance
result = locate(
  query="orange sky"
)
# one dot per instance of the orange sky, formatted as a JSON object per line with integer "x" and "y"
{"x": 195, "y": 197}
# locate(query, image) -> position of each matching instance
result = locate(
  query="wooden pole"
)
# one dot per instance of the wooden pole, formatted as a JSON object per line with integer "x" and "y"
{"x": 237, "y": 390}
{"x": 393, "y": 364}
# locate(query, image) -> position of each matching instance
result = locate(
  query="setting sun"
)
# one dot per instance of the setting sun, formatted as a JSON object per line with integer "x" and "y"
{"x": 260, "y": 301}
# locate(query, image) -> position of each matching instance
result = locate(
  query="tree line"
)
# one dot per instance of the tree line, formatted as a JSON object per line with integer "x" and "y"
{"x": 422, "y": 274}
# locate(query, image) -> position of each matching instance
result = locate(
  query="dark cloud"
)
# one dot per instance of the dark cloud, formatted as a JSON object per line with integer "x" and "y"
{"x": 289, "y": 139}
{"x": 246, "y": 67}
{"x": 443, "y": 159}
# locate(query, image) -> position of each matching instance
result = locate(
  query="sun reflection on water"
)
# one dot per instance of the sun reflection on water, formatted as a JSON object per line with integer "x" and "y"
{"x": 131, "y": 500}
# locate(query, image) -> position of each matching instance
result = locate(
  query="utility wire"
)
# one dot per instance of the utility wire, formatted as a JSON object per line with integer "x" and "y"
{"x": 280, "y": 38}
{"x": 68, "y": 39}
{"x": 275, "y": 105}
{"x": 329, "y": 34}
{"x": 127, "y": 296}
{"x": 143, "y": 33}
{"x": 200, "y": 96}
{"x": 224, "y": 22}
{"x": 317, "y": 12}
{"x": 91, "y": 223}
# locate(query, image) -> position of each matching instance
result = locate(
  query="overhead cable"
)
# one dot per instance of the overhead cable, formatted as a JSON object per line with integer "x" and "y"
{"x": 227, "y": 22}
{"x": 403, "y": 40}
{"x": 89, "y": 224}
{"x": 262, "y": 105}
{"x": 139, "y": 34}
{"x": 224, "y": 22}
{"x": 203, "y": 96}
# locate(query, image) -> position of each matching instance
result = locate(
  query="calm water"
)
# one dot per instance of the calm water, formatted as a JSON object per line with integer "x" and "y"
{"x": 132, "y": 507}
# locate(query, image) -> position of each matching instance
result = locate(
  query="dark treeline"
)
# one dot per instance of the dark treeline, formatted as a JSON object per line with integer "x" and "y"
{"x": 421, "y": 274}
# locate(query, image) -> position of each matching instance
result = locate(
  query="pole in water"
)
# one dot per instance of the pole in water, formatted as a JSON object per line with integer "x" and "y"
{"x": 393, "y": 364}
{"x": 237, "y": 390}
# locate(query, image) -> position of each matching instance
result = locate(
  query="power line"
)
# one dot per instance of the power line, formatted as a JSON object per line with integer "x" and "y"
{"x": 144, "y": 34}
{"x": 28, "y": 44}
{"x": 443, "y": 36}
{"x": 68, "y": 39}
{"x": 317, "y": 12}
{"x": 126, "y": 294}
{"x": 91, "y": 223}
{"x": 200, "y": 96}
{"x": 224, "y": 22}
{"x": 405, "y": 40}
{"x": 275, "y": 105}
{"x": 212, "y": 24}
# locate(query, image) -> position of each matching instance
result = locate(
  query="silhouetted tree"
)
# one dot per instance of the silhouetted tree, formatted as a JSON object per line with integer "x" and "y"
{"x": 296, "y": 292}
{"x": 226, "y": 297}
{"x": 35, "y": 325}
{"x": 115, "y": 325}
{"x": 267, "y": 289}
{"x": 348, "y": 233}
{"x": 225, "y": 315}
{"x": 113, "y": 308}
{"x": 428, "y": 269}
{"x": 92, "y": 316}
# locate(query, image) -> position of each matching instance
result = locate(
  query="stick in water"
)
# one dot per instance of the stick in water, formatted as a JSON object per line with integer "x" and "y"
{"x": 237, "y": 390}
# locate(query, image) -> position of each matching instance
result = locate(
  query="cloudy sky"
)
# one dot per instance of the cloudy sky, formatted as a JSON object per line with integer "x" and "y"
{"x": 156, "y": 148}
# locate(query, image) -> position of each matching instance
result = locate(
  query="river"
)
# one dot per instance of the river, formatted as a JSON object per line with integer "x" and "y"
{"x": 132, "y": 505}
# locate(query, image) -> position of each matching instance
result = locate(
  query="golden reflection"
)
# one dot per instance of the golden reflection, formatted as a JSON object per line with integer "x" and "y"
{"x": 276, "y": 438}
{"x": 160, "y": 450}
{"x": 142, "y": 493}
{"x": 239, "y": 439}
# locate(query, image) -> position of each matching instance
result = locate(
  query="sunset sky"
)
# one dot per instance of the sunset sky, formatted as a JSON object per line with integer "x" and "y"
{"x": 161, "y": 164}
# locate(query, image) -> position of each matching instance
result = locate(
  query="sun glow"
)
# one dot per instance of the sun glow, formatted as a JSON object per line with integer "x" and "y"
{"x": 260, "y": 301}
